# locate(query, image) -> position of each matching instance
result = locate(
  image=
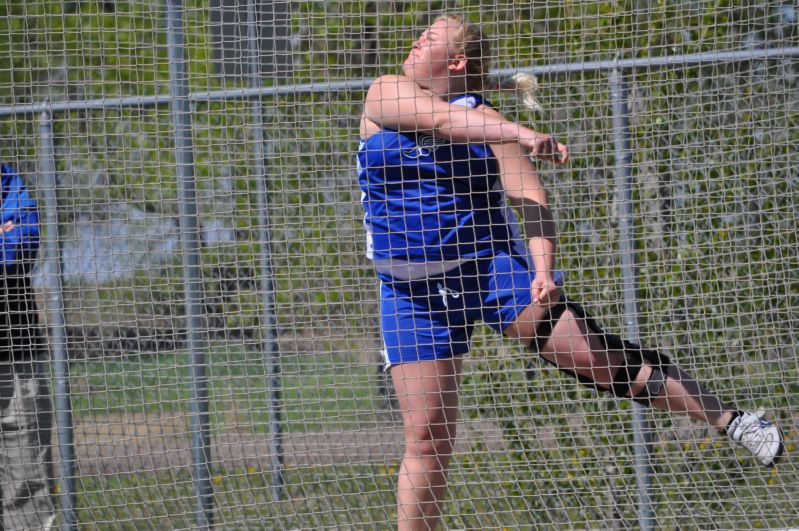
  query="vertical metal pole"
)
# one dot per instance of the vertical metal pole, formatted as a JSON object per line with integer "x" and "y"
{"x": 624, "y": 199}
{"x": 268, "y": 320}
{"x": 190, "y": 241}
{"x": 51, "y": 279}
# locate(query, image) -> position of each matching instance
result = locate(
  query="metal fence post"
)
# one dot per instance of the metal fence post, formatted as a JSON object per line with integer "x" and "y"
{"x": 180, "y": 105}
{"x": 268, "y": 320}
{"x": 51, "y": 280}
{"x": 624, "y": 199}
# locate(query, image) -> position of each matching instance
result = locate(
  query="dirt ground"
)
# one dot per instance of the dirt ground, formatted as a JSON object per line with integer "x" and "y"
{"x": 137, "y": 443}
{"x": 108, "y": 445}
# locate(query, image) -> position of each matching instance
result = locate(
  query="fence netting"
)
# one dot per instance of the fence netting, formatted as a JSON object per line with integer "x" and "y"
{"x": 289, "y": 334}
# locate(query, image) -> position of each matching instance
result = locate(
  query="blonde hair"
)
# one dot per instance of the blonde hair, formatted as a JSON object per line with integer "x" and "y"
{"x": 525, "y": 86}
{"x": 477, "y": 50}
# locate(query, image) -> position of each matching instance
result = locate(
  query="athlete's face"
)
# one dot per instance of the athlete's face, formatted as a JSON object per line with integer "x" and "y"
{"x": 434, "y": 55}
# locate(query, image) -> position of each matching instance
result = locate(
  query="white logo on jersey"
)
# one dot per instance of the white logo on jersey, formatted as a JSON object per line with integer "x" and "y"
{"x": 425, "y": 146}
{"x": 444, "y": 292}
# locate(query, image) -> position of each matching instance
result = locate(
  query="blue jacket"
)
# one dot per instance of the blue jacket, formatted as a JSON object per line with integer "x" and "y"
{"x": 21, "y": 337}
{"x": 20, "y": 245}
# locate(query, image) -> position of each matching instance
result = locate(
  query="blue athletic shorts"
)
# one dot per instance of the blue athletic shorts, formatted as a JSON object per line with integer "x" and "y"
{"x": 433, "y": 318}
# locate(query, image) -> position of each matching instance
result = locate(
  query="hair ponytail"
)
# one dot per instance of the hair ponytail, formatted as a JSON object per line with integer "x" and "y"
{"x": 525, "y": 85}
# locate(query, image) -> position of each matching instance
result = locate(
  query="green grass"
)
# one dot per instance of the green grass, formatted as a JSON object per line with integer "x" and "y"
{"x": 318, "y": 496}
{"x": 575, "y": 492}
{"x": 315, "y": 390}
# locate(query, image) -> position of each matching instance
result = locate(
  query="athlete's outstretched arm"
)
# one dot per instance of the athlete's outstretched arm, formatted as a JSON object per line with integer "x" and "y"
{"x": 524, "y": 191}
{"x": 397, "y": 102}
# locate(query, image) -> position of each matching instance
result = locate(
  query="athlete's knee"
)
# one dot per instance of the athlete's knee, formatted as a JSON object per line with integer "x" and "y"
{"x": 626, "y": 377}
{"x": 634, "y": 358}
{"x": 429, "y": 440}
{"x": 415, "y": 447}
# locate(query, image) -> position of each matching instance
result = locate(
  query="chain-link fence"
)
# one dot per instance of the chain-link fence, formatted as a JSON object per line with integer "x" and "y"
{"x": 212, "y": 320}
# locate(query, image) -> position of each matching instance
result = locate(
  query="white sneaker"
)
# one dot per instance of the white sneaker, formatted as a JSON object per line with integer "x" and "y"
{"x": 759, "y": 436}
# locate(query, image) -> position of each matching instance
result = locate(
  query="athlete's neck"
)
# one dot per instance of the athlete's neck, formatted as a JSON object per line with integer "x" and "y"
{"x": 449, "y": 88}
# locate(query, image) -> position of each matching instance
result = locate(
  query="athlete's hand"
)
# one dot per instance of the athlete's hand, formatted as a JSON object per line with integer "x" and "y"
{"x": 545, "y": 292}
{"x": 544, "y": 147}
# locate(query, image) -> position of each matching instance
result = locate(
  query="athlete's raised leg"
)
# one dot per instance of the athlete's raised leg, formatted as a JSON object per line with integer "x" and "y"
{"x": 576, "y": 345}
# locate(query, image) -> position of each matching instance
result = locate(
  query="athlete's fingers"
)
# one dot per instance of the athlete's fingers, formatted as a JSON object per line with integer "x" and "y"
{"x": 556, "y": 152}
{"x": 545, "y": 147}
{"x": 536, "y": 289}
{"x": 549, "y": 296}
{"x": 549, "y": 149}
{"x": 545, "y": 293}
{"x": 561, "y": 153}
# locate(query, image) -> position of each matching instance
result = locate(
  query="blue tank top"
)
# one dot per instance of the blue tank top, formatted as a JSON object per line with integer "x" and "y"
{"x": 428, "y": 200}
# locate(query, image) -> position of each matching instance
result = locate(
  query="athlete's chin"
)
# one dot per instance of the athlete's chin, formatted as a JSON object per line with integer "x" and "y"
{"x": 409, "y": 70}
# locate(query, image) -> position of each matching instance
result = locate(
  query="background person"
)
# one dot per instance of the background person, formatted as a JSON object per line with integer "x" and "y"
{"x": 25, "y": 403}
{"x": 436, "y": 164}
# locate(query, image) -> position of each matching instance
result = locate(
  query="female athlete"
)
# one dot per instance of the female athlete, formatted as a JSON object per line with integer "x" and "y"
{"x": 437, "y": 165}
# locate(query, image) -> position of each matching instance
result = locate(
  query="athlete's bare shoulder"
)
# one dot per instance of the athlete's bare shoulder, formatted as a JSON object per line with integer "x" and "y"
{"x": 385, "y": 87}
{"x": 393, "y": 86}
{"x": 367, "y": 127}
